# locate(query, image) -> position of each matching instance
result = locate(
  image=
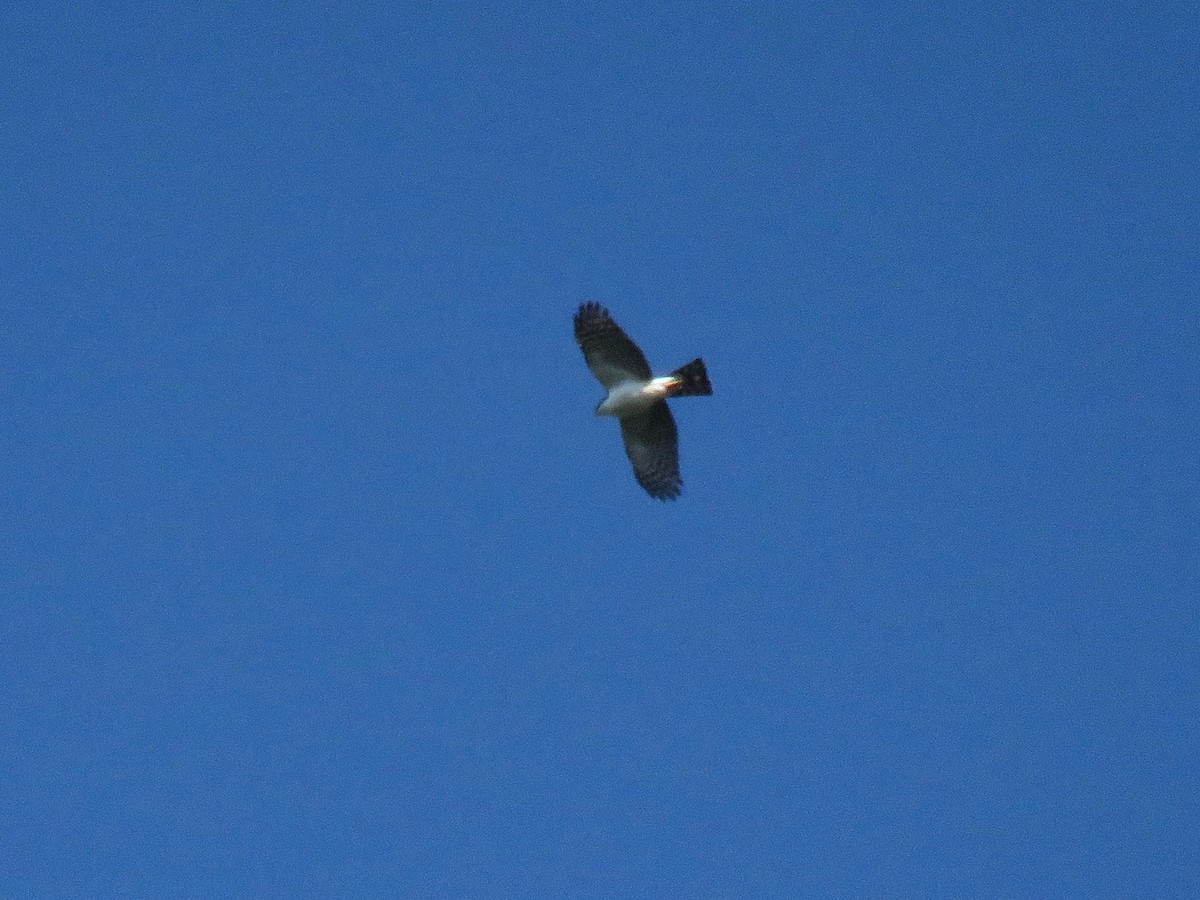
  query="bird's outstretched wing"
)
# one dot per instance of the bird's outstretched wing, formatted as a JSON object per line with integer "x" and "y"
{"x": 652, "y": 442}
{"x": 610, "y": 354}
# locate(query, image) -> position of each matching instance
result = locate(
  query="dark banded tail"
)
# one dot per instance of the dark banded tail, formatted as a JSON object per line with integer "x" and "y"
{"x": 695, "y": 380}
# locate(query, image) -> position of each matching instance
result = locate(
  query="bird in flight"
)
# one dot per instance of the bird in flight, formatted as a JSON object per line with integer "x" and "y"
{"x": 638, "y": 399}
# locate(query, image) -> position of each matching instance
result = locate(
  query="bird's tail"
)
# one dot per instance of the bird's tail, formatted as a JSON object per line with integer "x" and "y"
{"x": 693, "y": 380}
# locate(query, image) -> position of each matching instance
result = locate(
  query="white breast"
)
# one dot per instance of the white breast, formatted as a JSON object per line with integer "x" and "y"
{"x": 631, "y": 397}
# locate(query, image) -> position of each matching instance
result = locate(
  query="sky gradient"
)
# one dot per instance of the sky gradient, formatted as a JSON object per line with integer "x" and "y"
{"x": 320, "y": 577}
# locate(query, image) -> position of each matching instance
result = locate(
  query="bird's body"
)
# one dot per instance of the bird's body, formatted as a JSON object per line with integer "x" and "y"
{"x": 638, "y": 399}
{"x": 630, "y": 397}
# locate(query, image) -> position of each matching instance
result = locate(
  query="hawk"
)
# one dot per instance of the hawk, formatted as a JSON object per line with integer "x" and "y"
{"x": 638, "y": 399}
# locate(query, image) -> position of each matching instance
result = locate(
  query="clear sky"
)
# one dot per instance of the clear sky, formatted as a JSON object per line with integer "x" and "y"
{"x": 319, "y": 577}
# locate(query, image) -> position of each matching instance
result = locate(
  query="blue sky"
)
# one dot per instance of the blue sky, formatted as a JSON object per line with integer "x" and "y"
{"x": 321, "y": 578}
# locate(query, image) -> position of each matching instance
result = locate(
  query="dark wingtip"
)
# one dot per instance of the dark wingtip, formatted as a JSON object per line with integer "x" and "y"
{"x": 665, "y": 492}
{"x": 590, "y": 309}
